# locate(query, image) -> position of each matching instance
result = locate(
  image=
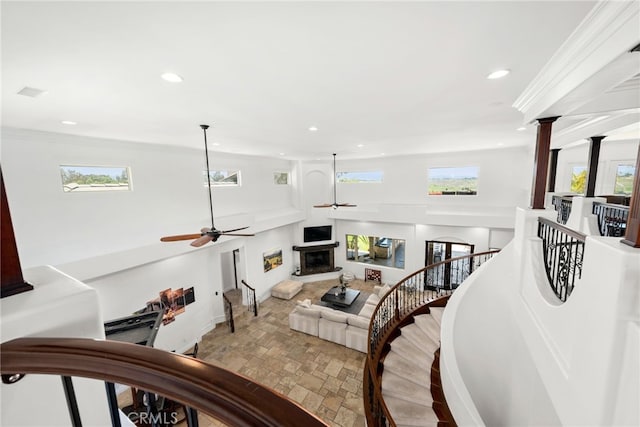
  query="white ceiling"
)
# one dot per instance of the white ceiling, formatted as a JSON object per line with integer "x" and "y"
{"x": 398, "y": 78}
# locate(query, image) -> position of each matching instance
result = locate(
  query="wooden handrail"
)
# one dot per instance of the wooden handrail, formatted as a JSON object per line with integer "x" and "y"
{"x": 379, "y": 334}
{"x": 247, "y": 285}
{"x": 226, "y": 396}
{"x": 251, "y": 298}
{"x": 566, "y": 230}
{"x": 446, "y": 261}
{"x": 228, "y": 313}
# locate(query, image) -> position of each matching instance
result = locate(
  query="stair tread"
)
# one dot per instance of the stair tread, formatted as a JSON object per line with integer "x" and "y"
{"x": 420, "y": 339}
{"x": 398, "y": 387}
{"x": 437, "y": 312}
{"x": 409, "y": 350}
{"x": 408, "y": 413}
{"x": 409, "y": 369}
{"x": 429, "y": 326}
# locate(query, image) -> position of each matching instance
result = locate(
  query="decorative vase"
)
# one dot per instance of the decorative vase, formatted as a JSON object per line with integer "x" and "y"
{"x": 345, "y": 279}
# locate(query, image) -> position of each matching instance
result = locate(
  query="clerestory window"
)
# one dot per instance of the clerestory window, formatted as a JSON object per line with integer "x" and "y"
{"x": 78, "y": 179}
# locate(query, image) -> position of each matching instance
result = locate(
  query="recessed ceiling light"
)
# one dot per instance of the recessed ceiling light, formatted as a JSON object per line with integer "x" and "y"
{"x": 500, "y": 144}
{"x": 282, "y": 154}
{"x": 216, "y": 144}
{"x": 360, "y": 145}
{"x": 171, "y": 77}
{"x": 68, "y": 122}
{"x": 382, "y": 154}
{"x": 312, "y": 129}
{"x": 498, "y": 74}
{"x": 520, "y": 129}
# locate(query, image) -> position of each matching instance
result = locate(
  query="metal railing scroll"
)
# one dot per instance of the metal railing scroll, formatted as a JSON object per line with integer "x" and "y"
{"x": 563, "y": 250}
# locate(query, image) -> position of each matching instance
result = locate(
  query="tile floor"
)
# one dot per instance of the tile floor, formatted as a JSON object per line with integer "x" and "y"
{"x": 324, "y": 377}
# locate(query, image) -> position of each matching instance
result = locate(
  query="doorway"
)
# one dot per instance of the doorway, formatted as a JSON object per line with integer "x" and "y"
{"x": 232, "y": 270}
{"x": 447, "y": 275}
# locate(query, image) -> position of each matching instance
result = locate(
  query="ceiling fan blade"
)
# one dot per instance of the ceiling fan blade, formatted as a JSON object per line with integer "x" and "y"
{"x": 179, "y": 237}
{"x": 237, "y": 234}
{"x": 235, "y": 229}
{"x": 201, "y": 240}
{"x": 207, "y": 234}
{"x": 346, "y": 205}
{"x": 326, "y": 205}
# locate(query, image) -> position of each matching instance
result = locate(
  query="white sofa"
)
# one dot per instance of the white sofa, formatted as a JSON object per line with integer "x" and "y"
{"x": 334, "y": 325}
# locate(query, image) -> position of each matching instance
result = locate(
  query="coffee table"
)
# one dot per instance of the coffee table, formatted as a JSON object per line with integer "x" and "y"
{"x": 334, "y": 297}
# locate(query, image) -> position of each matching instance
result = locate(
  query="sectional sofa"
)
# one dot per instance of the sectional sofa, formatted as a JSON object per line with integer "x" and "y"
{"x": 334, "y": 325}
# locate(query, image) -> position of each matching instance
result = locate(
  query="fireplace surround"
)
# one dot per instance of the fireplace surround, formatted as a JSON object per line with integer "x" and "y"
{"x": 316, "y": 259}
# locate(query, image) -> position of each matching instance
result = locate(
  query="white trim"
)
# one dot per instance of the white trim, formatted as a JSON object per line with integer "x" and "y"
{"x": 608, "y": 32}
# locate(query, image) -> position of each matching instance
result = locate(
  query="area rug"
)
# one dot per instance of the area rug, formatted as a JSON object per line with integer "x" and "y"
{"x": 354, "y": 308}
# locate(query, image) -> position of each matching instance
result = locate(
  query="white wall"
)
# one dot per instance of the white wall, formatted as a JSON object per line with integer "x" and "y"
{"x": 513, "y": 354}
{"x": 168, "y": 197}
{"x": 415, "y": 237}
{"x": 110, "y": 240}
{"x": 58, "y": 306}
{"x": 278, "y": 238}
{"x": 482, "y": 344}
{"x": 504, "y": 183}
{"x": 612, "y": 153}
{"x": 504, "y": 179}
{"x": 124, "y": 292}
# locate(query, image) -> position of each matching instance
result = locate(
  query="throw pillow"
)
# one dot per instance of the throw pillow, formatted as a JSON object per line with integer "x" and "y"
{"x": 304, "y": 303}
{"x": 383, "y": 290}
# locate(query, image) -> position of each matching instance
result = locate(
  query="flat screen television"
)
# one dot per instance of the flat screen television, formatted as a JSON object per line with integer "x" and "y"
{"x": 317, "y": 234}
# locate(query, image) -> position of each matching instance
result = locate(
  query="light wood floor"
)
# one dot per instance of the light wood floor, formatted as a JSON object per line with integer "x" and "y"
{"x": 324, "y": 377}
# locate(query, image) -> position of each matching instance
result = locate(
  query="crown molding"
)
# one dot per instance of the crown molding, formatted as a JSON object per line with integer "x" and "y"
{"x": 588, "y": 128}
{"x": 607, "y": 33}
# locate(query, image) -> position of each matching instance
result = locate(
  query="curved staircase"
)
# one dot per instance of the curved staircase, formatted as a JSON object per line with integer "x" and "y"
{"x": 406, "y": 374}
{"x": 401, "y": 378}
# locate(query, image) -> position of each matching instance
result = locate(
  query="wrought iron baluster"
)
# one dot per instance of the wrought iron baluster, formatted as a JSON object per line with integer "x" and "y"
{"x": 563, "y": 250}
{"x": 191, "y": 416}
{"x": 410, "y": 293}
{"x": 228, "y": 313}
{"x": 72, "y": 402}
{"x": 252, "y": 302}
{"x": 112, "y": 399}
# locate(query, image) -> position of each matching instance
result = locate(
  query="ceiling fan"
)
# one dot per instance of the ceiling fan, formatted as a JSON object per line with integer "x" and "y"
{"x": 207, "y": 234}
{"x": 335, "y": 204}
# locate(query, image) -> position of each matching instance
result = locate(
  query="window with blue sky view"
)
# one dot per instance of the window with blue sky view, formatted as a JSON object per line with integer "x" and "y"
{"x": 453, "y": 181}
{"x": 94, "y": 178}
{"x": 359, "y": 177}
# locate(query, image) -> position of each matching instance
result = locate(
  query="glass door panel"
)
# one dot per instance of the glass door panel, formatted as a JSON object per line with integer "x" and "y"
{"x": 447, "y": 275}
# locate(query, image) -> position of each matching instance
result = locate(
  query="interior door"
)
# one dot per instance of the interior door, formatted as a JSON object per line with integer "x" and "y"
{"x": 446, "y": 275}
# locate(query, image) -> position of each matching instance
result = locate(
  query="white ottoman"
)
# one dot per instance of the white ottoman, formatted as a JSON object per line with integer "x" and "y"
{"x": 286, "y": 289}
